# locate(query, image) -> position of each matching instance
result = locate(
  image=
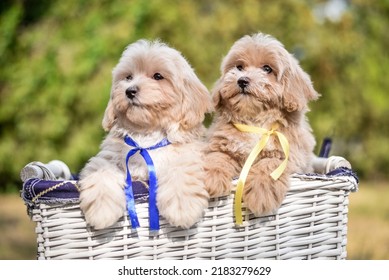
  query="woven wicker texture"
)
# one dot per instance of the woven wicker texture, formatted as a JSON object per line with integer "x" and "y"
{"x": 310, "y": 224}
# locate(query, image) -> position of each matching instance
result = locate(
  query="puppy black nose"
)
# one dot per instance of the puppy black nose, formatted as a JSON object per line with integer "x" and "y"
{"x": 243, "y": 82}
{"x": 131, "y": 92}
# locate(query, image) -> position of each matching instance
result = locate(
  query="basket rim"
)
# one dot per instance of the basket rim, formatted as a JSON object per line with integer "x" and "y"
{"x": 351, "y": 180}
{"x": 299, "y": 182}
{"x": 59, "y": 190}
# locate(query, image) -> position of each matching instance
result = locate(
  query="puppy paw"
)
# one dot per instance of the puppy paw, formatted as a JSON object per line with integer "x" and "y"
{"x": 265, "y": 197}
{"x": 262, "y": 194}
{"x": 185, "y": 207}
{"x": 217, "y": 182}
{"x": 102, "y": 199}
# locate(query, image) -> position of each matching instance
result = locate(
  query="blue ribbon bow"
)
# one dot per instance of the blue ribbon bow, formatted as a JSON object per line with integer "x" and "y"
{"x": 153, "y": 183}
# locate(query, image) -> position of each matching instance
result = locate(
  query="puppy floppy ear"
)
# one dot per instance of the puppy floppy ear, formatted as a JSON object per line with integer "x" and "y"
{"x": 216, "y": 95}
{"x": 196, "y": 101}
{"x": 298, "y": 88}
{"x": 109, "y": 118}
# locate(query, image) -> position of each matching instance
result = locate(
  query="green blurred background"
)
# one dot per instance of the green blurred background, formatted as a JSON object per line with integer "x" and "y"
{"x": 56, "y": 59}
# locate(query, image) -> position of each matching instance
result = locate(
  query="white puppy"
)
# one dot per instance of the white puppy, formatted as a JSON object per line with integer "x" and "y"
{"x": 155, "y": 95}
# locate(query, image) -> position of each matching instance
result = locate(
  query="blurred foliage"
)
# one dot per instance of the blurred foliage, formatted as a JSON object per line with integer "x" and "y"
{"x": 56, "y": 59}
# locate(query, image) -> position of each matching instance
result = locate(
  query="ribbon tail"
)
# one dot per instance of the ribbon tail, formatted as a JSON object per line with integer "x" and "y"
{"x": 153, "y": 186}
{"x": 130, "y": 200}
{"x": 276, "y": 174}
{"x": 238, "y": 202}
{"x": 285, "y": 147}
{"x": 131, "y": 207}
{"x": 243, "y": 176}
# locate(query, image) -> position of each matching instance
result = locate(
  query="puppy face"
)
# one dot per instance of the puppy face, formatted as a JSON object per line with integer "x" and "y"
{"x": 153, "y": 88}
{"x": 259, "y": 74}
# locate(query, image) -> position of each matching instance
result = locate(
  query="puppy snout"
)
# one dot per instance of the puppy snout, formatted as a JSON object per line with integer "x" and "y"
{"x": 132, "y": 91}
{"x": 243, "y": 82}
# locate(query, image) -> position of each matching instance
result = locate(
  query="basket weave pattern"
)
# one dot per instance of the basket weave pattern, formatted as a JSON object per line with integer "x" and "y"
{"x": 310, "y": 224}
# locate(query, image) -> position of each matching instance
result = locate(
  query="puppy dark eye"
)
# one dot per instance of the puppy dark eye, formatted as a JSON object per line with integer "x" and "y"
{"x": 267, "y": 69}
{"x": 239, "y": 67}
{"x": 129, "y": 77}
{"x": 157, "y": 76}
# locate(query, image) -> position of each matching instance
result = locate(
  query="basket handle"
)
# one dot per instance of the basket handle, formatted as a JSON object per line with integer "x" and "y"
{"x": 325, "y": 165}
{"x": 53, "y": 170}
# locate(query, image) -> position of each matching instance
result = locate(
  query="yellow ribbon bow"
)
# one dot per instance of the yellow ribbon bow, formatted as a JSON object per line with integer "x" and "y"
{"x": 252, "y": 156}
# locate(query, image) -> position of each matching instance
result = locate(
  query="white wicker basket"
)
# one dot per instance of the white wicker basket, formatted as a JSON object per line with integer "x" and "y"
{"x": 310, "y": 224}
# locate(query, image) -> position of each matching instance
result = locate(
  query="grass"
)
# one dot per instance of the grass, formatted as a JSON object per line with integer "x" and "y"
{"x": 18, "y": 239}
{"x": 368, "y": 226}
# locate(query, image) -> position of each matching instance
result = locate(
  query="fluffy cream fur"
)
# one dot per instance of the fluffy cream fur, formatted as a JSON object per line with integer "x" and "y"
{"x": 155, "y": 94}
{"x": 261, "y": 83}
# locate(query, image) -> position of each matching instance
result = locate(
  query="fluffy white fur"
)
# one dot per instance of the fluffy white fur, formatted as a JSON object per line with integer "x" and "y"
{"x": 261, "y": 83}
{"x": 155, "y": 94}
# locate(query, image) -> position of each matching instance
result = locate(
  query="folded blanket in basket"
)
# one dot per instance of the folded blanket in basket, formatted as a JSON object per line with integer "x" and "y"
{"x": 343, "y": 171}
{"x": 37, "y": 190}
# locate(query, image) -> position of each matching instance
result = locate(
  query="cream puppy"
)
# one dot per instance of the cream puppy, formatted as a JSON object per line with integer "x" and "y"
{"x": 155, "y": 97}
